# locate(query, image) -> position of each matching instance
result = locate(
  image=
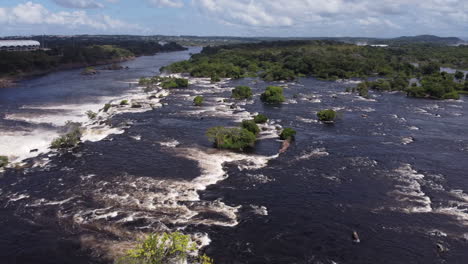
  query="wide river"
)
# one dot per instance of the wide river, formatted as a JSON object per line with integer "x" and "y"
{"x": 392, "y": 168}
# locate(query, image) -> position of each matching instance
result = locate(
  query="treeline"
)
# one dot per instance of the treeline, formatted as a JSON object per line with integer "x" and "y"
{"x": 82, "y": 53}
{"x": 274, "y": 61}
{"x": 328, "y": 60}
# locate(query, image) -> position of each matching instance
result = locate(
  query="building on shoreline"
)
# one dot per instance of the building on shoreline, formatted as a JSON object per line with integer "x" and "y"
{"x": 19, "y": 45}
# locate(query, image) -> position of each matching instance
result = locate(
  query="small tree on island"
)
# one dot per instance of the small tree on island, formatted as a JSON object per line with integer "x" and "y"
{"x": 459, "y": 75}
{"x": 273, "y": 95}
{"x": 165, "y": 248}
{"x": 231, "y": 138}
{"x": 326, "y": 115}
{"x": 69, "y": 140}
{"x": 260, "y": 119}
{"x": 287, "y": 134}
{"x": 242, "y": 92}
{"x": 198, "y": 100}
{"x": 3, "y": 161}
{"x": 251, "y": 126}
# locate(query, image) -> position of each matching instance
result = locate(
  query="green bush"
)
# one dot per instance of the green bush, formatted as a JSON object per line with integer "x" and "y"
{"x": 173, "y": 83}
{"x": 3, "y": 161}
{"x": 260, "y": 119}
{"x": 124, "y": 102}
{"x": 106, "y": 107}
{"x": 160, "y": 249}
{"x": 198, "y": 100}
{"x": 91, "y": 114}
{"x": 451, "y": 95}
{"x": 273, "y": 95}
{"x": 215, "y": 78}
{"x": 326, "y": 115}
{"x": 251, "y": 126}
{"x": 287, "y": 133}
{"x": 231, "y": 138}
{"x": 242, "y": 92}
{"x": 69, "y": 140}
{"x": 363, "y": 90}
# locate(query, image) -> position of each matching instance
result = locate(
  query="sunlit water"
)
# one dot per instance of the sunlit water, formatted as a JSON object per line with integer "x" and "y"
{"x": 391, "y": 168}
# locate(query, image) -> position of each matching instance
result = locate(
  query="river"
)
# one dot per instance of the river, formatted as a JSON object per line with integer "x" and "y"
{"x": 391, "y": 168}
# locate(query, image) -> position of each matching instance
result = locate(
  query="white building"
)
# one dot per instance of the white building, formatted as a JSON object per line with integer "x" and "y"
{"x": 19, "y": 45}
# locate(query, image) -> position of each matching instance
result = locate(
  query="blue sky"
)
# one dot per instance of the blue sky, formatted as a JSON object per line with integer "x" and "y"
{"x": 307, "y": 18}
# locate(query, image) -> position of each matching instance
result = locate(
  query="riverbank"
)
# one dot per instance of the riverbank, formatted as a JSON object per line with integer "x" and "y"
{"x": 11, "y": 81}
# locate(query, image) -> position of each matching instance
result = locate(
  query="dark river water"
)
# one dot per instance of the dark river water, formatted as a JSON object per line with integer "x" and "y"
{"x": 391, "y": 168}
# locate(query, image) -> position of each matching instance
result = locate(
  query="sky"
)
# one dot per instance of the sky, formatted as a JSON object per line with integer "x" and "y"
{"x": 274, "y": 18}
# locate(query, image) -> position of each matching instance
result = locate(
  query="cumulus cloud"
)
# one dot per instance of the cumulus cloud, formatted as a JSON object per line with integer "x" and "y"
{"x": 31, "y": 13}
{"x": 358, "y": 13}
{"x": 79, "y": 3}
{"x": 166, "y": 3}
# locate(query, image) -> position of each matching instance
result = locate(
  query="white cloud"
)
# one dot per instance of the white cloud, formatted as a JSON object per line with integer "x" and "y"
{"x": 31, "y": 13}
{"x": 352, "y": 13}
{"x": 79, "y": 3}
{"x": 166, "y": 3}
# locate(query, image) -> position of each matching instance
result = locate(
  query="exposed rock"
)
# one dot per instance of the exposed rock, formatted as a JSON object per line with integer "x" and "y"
{"x": 5, "y": 83}
{"x": 441, "y": 248}
{"x": 115, "y": 67}
{"x": 356, "y": 237}
{"x": 33, "y": 150}
{"x": 285, "y": 146}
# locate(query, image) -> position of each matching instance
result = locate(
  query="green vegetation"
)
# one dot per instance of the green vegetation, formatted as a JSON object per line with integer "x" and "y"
{"x": 3, "y": 161}
{"x": 363, "y": 90}
{"x": 91, "y": 114}
{"x": 164, "y": 82}
{"x": 286, "y": 60}
{"x": 124, "y": 102}
{"x": 164, "y": 248}
{"x": 173, "y": 83}
{"x": 89, "y": 71}
{"x": 198, "y": 100}
{"x": 215, "y": 78}
{"x": 436, "y": 86}
{"x": 69, "y": 140}
{"x": 78, "y": 51}
{"x": 273, "y": 95}
{"x": 242, "y": 92}
{"x": 106, "y": 107}
{"x": 459, "y": 75}
{"x": 287, "y": 134}
{"x": 326, "y": 115}
{"x": 260, "y": 119}
{"x": 231, "y": 138}
{"x": 251, "y": 126}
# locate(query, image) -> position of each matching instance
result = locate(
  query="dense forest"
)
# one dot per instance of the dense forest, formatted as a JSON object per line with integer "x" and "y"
{"x": 82, "y": 52}
{"x": 330, "y": 60}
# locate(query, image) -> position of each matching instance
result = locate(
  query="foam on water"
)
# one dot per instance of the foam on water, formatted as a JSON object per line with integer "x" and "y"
{"x": 409, "y": 191}
{"x": 17, "y": 145}
{"x": 407, "y": 140}
{"x": 318, "y": 152}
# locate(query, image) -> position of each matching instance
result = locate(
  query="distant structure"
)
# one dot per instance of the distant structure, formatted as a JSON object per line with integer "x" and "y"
{"x": 19, "y": 45}
{"x": 371, "y": 45}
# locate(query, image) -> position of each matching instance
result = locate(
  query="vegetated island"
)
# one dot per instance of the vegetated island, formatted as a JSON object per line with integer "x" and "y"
{"x": 412, "y": 68}
{"x": 64, "y": 54}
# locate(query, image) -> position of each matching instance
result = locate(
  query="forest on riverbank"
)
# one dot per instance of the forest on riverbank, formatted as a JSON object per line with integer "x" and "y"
{"x": 330, "y": 60}
{"x": 65, "y": 54}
